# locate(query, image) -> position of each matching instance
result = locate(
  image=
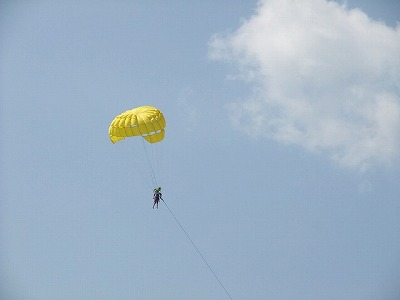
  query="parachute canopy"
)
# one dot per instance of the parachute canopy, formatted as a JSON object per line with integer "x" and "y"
{"x": 145, "y": 121}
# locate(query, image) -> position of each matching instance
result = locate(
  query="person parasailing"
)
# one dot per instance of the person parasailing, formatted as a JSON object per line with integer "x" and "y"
{"x": 157, "y": 196}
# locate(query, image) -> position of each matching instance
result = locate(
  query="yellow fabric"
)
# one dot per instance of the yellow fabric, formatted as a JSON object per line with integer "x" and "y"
{"x": 145, "y": 121}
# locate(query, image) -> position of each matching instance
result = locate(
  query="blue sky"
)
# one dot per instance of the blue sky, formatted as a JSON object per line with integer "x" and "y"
{"x": 281, "y": 156}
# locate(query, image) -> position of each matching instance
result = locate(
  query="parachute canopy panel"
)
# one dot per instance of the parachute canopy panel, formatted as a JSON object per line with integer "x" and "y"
{"x": 145, "y": 121}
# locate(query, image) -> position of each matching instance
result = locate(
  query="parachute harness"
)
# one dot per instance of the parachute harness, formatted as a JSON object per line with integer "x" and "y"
{"x": 198, "y": 251}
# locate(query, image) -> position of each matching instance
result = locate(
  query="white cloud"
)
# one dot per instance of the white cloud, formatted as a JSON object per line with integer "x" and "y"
{"x": 325, "y": 77}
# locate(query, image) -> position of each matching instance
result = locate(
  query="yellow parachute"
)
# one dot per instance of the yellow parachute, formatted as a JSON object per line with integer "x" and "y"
{"x": 145, "y": 121}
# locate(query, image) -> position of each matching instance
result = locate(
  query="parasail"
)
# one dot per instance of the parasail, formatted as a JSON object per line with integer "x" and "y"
{"x": 145, "y": 121}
